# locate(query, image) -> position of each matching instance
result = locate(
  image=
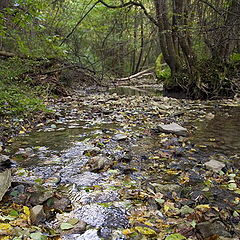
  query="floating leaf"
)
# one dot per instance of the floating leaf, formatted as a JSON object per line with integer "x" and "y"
{"x": 66, "y": 226}
{"x": 175, "y": 236}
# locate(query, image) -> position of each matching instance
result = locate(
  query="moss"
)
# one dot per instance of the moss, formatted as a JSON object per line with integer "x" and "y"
{"x": 163, "y": 72}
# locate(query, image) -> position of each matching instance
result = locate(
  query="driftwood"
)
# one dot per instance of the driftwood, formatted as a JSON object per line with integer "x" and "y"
{"x": 145, "y": 73}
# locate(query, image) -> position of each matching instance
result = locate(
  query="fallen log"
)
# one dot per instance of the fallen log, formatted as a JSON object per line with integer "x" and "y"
{"x": 145, "y": 73}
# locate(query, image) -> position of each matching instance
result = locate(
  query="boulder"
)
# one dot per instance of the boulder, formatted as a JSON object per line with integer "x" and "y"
{"x": 172, "y": 128}
{"x": 37, "y": 215}
{"x": 214, "y": 165}
{"x": 5, "y": 182}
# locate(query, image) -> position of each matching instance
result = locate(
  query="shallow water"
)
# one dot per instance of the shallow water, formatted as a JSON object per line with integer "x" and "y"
{"x": 220, "y": 134}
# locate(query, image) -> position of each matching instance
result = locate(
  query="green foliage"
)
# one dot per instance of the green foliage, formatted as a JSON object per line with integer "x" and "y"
{"x": 25, "y": 29}
{"x": 235, "y": 57}
{"x": 17, "y": 96}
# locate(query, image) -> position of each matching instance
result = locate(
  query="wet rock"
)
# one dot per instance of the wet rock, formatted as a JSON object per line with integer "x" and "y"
{"x": 60, "y": 204}
{"x": 98, "y": 163}
{"x": 40, "y": 196}
{"x": 79, "y": 228}
{"x": 214, "y": 165}
{"x": 5, "y": 182}
{"x": 166, "y": 188}
{"x": 208, "y": 229}
{"x": 120, "y": 137}
{"x": 172, "y": 128}
{"x": 37, "y": 215}
{"x": 92, "y": 151}
{"x": 97, "y": 216}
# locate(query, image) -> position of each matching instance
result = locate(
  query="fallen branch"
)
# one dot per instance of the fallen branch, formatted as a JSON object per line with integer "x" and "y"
{"x": 7, "y": 54}
{"x": 146, "y": 72}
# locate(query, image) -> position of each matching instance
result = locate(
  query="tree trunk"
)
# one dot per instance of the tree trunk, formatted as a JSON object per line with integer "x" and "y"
{"x": 166, "y": 40}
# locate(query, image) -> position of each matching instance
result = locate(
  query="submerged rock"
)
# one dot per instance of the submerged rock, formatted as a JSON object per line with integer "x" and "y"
{"x": 172, "y": 128}
{"x": 214, "y": 165}
{"x": 208, "y": 229}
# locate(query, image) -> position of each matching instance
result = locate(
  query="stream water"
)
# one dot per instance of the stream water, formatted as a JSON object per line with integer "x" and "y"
{"x": 59, "y": 151}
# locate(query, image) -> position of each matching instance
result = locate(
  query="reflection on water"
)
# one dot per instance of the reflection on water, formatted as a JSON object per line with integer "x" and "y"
{"x": 133, "y": 91}
{"x": 222, "y": 133}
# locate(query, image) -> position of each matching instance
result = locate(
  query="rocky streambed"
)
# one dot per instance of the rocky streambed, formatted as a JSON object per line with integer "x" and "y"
{"x": 111, "y": 166}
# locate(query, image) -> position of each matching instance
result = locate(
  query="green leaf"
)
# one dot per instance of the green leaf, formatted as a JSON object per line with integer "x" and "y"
{"x": 14, "y": 213}
{"x": 175, "y": 236}
{"x": 232, "y": 186}
{"x": 66, "y": 226}
{"x": 38, "y": 236}
{"x": 159, "y": 200}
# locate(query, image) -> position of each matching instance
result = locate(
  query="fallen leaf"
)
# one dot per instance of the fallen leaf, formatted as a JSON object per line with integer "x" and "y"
{"x": 66, "y": 226}
{"x": 175, "y": 236}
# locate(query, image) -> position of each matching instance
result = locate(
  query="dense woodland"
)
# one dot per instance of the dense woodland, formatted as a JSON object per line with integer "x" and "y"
{"x": 192, "y": 44}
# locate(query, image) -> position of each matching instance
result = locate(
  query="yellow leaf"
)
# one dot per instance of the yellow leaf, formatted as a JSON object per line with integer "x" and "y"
{"x": 4, "y": 238}
{"x": 26, "y": 211}
{"x": 5, "y": 226}
{"x": 145, "y": 230}
{"x": 21, "y": 132}
{"x": 128, "y": 231}
{"x": 203, "y": 207}
{"x": 26, "y": 215}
